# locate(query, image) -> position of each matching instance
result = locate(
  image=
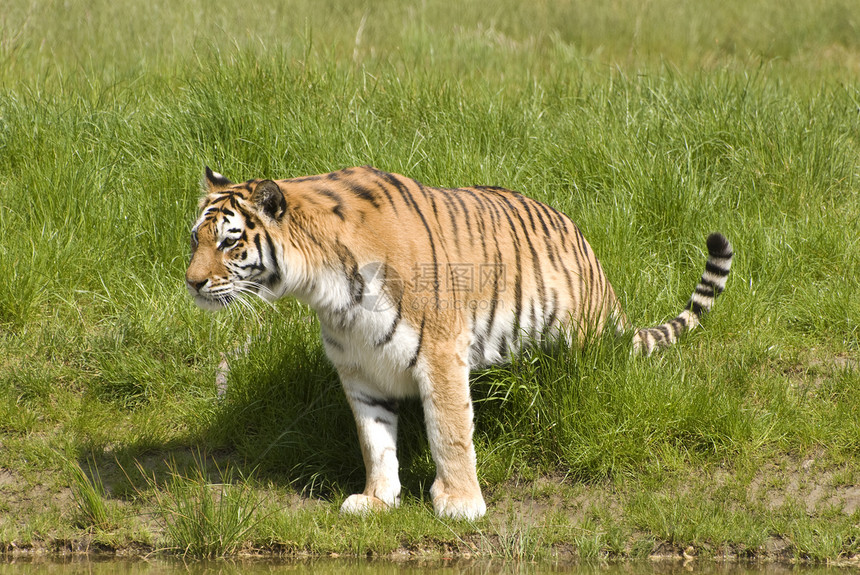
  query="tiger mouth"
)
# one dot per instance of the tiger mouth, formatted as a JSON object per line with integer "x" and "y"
{"x": 213, "y": 303}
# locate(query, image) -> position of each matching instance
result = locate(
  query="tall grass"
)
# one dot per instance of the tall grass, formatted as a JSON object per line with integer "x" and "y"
{"x": 650, "y": 125}
{"x": 201, "y": 519}
{"x": 90, "y": 498}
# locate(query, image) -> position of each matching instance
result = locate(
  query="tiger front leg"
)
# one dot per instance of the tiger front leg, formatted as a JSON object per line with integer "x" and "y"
{"x": 376, "y": 420}
{"x": 444, "y": 389}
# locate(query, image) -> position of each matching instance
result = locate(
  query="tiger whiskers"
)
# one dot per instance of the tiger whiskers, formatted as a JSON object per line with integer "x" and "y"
{"x": 250, "y": 308}
{"x": 257, "y": 289}
{"x": 244, "y": 306}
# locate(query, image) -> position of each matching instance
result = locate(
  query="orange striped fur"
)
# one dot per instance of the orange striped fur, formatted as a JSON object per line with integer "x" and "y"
{"x": 414, "y": 287}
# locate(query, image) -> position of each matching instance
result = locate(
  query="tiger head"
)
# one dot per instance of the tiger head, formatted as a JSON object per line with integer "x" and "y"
{"x": 232, "y": 248}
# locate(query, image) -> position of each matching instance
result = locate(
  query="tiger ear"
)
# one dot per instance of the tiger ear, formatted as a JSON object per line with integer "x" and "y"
{"x": 214, "y": 181}
{"x": 269, "y": 198}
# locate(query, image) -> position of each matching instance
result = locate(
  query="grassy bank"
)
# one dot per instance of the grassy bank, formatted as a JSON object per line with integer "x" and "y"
{"x": 649, "y": 126}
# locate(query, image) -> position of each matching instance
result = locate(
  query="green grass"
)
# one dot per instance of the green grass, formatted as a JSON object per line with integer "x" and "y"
{"x": 201, "y": 519}
{"x": 649, "y": 125}
{"x": 90, "y": 497}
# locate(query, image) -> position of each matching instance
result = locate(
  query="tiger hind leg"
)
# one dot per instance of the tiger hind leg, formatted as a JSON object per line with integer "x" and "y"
{"x": 444, "y": 388}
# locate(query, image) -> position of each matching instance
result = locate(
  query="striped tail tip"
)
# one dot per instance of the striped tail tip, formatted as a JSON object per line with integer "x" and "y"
{"x": 711, "y": 285}
{"x": 713, "y": 281}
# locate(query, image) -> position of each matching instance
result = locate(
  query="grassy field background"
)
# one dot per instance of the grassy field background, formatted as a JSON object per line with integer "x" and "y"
{"x": 649, "y": 124}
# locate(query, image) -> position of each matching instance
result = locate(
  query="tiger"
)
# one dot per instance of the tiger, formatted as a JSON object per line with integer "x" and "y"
{"x": 414, "y": 287}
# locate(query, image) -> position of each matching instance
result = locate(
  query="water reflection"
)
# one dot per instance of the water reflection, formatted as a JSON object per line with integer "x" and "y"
{"x": 381, "y": 567}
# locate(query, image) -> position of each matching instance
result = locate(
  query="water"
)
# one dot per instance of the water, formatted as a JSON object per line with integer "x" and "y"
{"x": 381, "y": 567}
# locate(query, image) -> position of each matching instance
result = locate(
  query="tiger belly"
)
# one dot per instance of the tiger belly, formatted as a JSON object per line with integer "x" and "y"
{"x": 498, "y": 332}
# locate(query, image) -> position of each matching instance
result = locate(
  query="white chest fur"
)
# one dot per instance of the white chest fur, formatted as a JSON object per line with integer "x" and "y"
{"x": 367, "y": 333}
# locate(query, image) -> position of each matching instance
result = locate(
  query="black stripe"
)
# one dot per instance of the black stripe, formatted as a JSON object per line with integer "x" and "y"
{"x": 223, "y": 196}
{"x": 431, "y": 194}
{"x": 532, "y": 318}
{"x": 350, "y": 269}
{"x": 715, "y": 269}
{"x": 445, "y": 194}
{"x": 306, "y": 179}
{"x": 694, "y": 307}
{"x": 540, "y": 218}
{"x": 586, "y": 274}
{"x": 259, "y": 246}
{"x": 249, "y": 221}
{"x": 246, "y": 215}
{"x": 253, "y": 266}
{"x": 390, "y": 333}
{"x": 363, "y": 193}
{"x": 489, "y": 209}
{"x": 538, "y": 271}
{"x": 561, "y": 217}
{"x": 528, "y": 210}
{"x": 593, "y": 276}
{"x": 494, "y": 300}
{"x": 425, "y": 191}
{"x": 717, "y": 289}
{"x": 719, "y": 246}
{"x": 480, "y": 219}
{"x": 667, "y": 335}
{"x": 648, "y": 337}
{"x": 338, "y": 201}
{"x": 601, "y": 278}
{"x": 567, "y": 272}
{"x": 503, "y": 347}
{"x": 334, "y": 343}
{"x": 432, "y": 203}
{"x": 551, "y": 316}
{"x": 677, "y": 327}
{"x": 478, "y": 342}
{"x": 518, "y": 287}
{"x": 410, "y": 201}
{"x": 549, "y": 217}
{"x": 276, "y": 273}
{"x": 452, "y": 215}
{"x": 387, "y": 194}
{"x": 389, "y": 405}
{"x": 414, "y": 359}
{"x": 465, "y": 212}
{"x": 399, "y": 186}
{"x": 550, "y": 255}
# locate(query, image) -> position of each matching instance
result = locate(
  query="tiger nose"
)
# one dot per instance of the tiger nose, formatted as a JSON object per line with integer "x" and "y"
{"x": 196, "y": 285}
